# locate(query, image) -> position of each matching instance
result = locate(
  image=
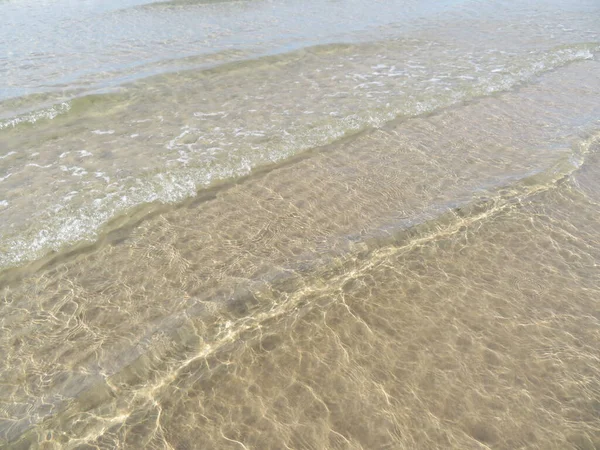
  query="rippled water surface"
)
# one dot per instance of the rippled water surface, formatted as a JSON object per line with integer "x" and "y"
{"x": 260, "y": 224}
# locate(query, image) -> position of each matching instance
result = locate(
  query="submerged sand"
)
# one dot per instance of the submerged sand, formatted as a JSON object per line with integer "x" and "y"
{"x": 432, "y": 283}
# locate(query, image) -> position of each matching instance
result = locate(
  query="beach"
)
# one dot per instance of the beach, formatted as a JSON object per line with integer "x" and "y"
{"x": 266, "y": 225}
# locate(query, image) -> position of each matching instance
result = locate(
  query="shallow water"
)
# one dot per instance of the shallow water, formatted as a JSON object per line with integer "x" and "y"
{"x": 377, "y": 231}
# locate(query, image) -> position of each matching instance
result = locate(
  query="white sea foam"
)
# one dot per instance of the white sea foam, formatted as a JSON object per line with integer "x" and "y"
{"x": 7, "y": 155}
{"x": 35, "y": 116}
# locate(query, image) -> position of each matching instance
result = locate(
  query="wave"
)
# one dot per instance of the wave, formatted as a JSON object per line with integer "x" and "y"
{"x": 180, "y": 3}
{"x": 499, "y": 80}
{"x": 66, "y": 224}
{"x": 42, "y": 114}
